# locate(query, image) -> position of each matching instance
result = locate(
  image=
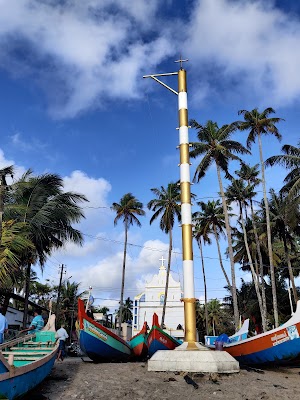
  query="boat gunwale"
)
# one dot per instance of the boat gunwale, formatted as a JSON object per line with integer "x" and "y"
{"x": 17, "y": 371}
{"x": 82, "y": 315}
{"x": 157, "y": 328}
{"x": 294, "y": 320}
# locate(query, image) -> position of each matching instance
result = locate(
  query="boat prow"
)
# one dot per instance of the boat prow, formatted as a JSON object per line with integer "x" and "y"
{"x": 158, "y": 339}
{"x": 138, "y": 343}
{"x": 98, "y": 342}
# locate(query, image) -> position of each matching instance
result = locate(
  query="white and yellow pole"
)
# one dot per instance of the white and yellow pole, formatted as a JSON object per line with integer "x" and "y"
{"x": 186, "y": 206}
{"x": 186, "y": 215}
{"x": 179, "y": 359}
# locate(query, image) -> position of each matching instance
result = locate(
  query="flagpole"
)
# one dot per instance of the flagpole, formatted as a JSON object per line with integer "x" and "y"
{"x": 88, "y": 300}
{"x": 290, "y": 298}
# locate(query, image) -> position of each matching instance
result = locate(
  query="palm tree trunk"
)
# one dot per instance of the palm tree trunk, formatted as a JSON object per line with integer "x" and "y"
{"x": 288, "y": 259}
{"x": 204, "y": 283}
{"x": 270, "y": 250}
{"x": 230, "y": 251}
{"x": 254, "y": 276}
{"x": 27, "y": 285}
{"x": 261, "y": 269}
{"x": 1, "y": 209}
{"x": 167, "y": 278}
{"x": 220, "y": 259}
{"x": 123, "y": 279}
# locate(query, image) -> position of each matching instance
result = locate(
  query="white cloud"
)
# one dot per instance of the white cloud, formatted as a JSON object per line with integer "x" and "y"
{"x": 84, "y": 52}
{"x": 105, "y": 274}
{"x": 96, "y": 190}
{"x": 249, "y": 45}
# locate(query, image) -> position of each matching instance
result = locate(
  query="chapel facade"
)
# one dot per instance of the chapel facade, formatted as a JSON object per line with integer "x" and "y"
{"x": 152, "y": 299}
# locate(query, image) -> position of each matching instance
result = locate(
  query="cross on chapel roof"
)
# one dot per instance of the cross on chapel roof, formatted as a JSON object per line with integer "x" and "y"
{"x": 162, "y": 259}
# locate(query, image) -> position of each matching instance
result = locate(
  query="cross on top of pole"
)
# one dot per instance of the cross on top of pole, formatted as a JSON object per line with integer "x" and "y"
{"x": 181, "y": 61}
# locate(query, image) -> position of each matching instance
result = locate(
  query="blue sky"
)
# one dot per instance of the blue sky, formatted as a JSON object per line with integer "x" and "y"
{"x": 73, "y": 102}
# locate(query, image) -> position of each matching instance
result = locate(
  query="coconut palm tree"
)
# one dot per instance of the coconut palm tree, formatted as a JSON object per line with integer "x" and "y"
{"x": 290, "y": 160}
{"x": 214, "y": 314}
{"x": 259, "y": 123}
{"x": 69, "y": 298}
{"x": 15, "y": 240}
{"x": 216, "y": 147}
{"x": 201, "y": 321}
{"x": 127, "y": 311}
{"x": 238, "y": 192}
{"x": 126, "y": 211}
{"x": 212, "y": 222}
{"x": 49, "y": 213}
{"x": 166, "y": 205}
{"x": 200, "y": 234}
{"x": 284, "y": 216}
{"x": 250, "y": 175}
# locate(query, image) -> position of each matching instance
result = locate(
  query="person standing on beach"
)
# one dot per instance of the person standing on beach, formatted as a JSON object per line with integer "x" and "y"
{"x": 3, "y": 325}
{"x": 61, "y": 335}
{"x": 36, "y": 324}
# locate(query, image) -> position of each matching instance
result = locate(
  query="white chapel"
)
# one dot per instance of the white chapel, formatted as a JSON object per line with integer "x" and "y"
{"x": 152, "y": 300}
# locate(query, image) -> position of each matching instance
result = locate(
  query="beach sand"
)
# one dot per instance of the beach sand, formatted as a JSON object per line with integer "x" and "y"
{"x": 81, "y": 379}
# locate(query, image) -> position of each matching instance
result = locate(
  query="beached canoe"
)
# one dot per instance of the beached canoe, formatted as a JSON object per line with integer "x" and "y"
{"x": 25, "y": 362}
{"x": 98, "y": 342}
{"x": 158, "y": 339}
{"x": 237, "y": 337}
{"x": 138, "y": 343}
{"x": 279, "y": 346}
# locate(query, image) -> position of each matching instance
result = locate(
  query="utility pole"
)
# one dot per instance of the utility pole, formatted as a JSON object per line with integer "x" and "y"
{"x": 59, "y": 288}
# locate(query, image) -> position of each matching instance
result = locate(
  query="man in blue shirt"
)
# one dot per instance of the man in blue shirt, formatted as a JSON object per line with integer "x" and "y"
{"x": 3, "y": 325}
{"x": 36, "y": 324}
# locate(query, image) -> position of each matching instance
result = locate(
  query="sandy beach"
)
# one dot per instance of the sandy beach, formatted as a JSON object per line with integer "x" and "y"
{"x": 82, "y": 379}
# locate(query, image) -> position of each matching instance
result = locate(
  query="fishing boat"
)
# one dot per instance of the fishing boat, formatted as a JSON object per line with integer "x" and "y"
{"x": 158, "y": 339}
{"x": 138, "y": 343}
{"x": 241, "y": 334}
{"x": 98, "y": 342}
{"x": 279, "y": 346}
{"x": 25, "y": 362}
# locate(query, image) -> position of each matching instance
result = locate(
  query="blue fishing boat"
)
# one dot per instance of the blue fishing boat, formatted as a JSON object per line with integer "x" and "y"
{"x": 25, "y": 362}
{"x": 279, "y": 346}
{"x": 238, "y": 336}
{"x": 158, "y": 339}
{"x": 98, "y": 342}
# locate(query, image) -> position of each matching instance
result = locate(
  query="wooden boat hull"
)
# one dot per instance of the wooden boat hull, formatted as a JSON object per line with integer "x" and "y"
{"x": 138, "y": 343}
{"x": 159, "y": 340}
{"x": 14, "y": 387}
{"x": 98, "y": 342}
{"x": 15, "y": 381}
{"x": 279, "y": 346}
